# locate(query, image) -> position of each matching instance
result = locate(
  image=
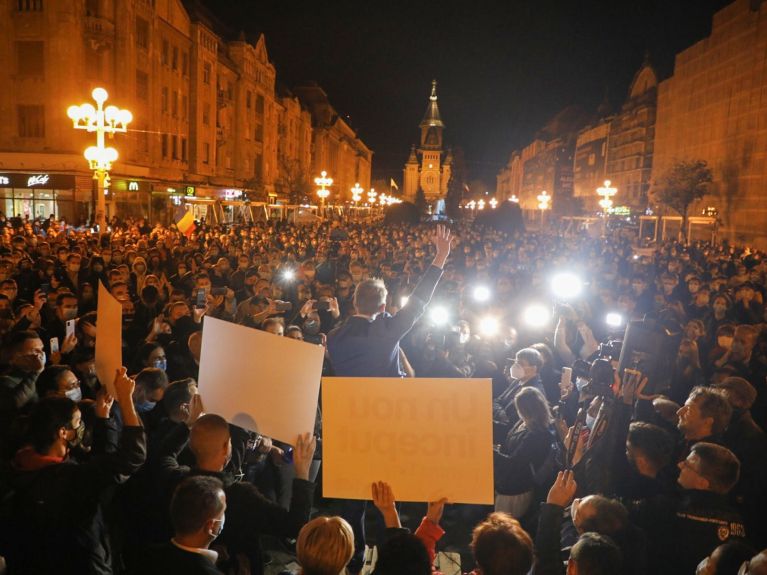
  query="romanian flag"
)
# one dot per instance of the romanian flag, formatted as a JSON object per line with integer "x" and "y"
{"x": 186, "y": 224}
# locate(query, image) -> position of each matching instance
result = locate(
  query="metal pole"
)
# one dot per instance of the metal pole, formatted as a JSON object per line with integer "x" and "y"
{"x": 101, "y": 202}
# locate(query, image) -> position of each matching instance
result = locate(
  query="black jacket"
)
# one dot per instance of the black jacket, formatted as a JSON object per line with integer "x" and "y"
{"x": 683, "y": 530}
{"x": 57, "y": 508}
{"x": 167, "y": 558}
{"x": 519, "y": 458}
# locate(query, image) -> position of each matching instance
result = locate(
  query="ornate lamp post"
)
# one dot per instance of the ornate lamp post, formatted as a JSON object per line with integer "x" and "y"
{"x": 372, "y": 196}
{"x": 544, "y": 203}
{"x": 606, "y": 192}
{"x": 357, "y": 193}
{"x": 100, "y": 158}
{"x": 323, "y": 182}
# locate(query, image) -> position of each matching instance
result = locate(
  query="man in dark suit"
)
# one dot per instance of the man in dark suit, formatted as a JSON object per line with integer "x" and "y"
{"x": 197, "y": 511}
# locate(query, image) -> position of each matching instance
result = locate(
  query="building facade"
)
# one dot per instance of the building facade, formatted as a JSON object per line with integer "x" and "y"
{"x": 208, "y": 124}
{"x": 590, "y": 163}
{"x": 714, "y": 108}
{"x": 429, "y": 167}
{"x": 631, "y": 141}
{"x": 336, "y": 149}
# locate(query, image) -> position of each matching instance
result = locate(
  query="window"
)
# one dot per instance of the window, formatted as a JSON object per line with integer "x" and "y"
{"x": 259, "y": 135}
{"x": 185, "y": 63}
{"x": 206, "y": 73}
{"x": 174, "y": 60}
{"x": 31, "y": 121}
{"x": 174, "y": 104}
{"x": 174, "y": 142}
{"x": 259, "y": 104}
{"x": 258, "y": 166}
{"x": 142, "y": 33}
{"x": 30, "y": 60}
{"x": 164, "y": 99}
{"x": 183, "y": 149}
{"x": 142, "y": 85}
{"x": 184, "y": 107}
{"x": 206, "y": 153}
{"x": 247, "y": 99}
{"x": 164, "y": 146}
{"x": 30, "y": 5}
{"x": 206, "y": 114}
{"x": 165, "y": 52}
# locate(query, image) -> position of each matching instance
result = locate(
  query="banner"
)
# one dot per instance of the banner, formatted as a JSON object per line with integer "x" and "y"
{"x": 109, "y": 331}
{"x": 427, "y": 438}
{"x": 260, "y": 381}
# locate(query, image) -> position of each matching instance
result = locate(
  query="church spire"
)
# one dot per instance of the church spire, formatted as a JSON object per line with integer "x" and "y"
{"x": 432, "y": 117}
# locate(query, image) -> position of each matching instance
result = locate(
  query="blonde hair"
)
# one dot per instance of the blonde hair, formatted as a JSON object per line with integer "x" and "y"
{"x": 325, "y": 546}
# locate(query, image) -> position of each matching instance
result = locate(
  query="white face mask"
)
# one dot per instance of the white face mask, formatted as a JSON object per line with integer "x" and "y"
{"x": 517, "y": 371}
{"x": 75, "y": 394}
{"x": 220, "y": 529}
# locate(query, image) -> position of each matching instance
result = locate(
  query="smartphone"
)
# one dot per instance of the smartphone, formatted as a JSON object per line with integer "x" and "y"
{"x": 283, "y": 306}
{"x": 567, "y": 379}
{"x": 218, "y": 291}
{"x": 321, "y": 305}
{"x": 54, "y": 345}
{"x": 45, "y": 288}
{"x": 287, "y": 455}
{"x": 70, "y": 328}
{"x": 200, "y": 302}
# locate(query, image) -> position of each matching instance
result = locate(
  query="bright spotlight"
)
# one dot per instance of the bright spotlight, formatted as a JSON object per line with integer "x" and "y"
{"x": 403, "y": 301}
{"x": 566, "y": 285}
{"x": 488, "y": 326}
{"x": 614, "y": 319}
{"x": 536, "y": 315}
{"x": 288, "y": 275}
{"x": 481, "y": 293}
{"x": 439, "y": 315}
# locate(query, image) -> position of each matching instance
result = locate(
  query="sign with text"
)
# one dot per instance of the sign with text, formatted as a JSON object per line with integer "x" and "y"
{"x": 427, "y": 438}
{"x": 108, "y": 338}
{"x": 38, "y": 180}
{"x": 260, "y": 381}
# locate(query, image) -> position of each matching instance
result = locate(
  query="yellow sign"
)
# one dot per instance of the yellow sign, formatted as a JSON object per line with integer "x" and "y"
{"x": 427, "y": 438}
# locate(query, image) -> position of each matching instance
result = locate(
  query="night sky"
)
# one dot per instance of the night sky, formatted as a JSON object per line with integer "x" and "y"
{"x": 504, "y": 67}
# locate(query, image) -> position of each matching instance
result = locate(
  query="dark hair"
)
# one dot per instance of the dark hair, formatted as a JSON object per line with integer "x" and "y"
{"x": 17, "y": 338}
{"x": 150, "y": 294}
{"x": 655, "y": 443}
{"x": 712, "y": 403}
{"x": 718, "y": 465}
{"x": 64, "y": 296}
{"x": 501, "y": 547}
{"x": 145, "y": 351}
{"x": 609, "y": 517}
{"x": 531, "y": 356}
{"x": 596, "y": 554}
{"x": 195, "y": 502}
{"x": 48, "y": 416}
{"x": 403, "y": 554}
{"x": 48, "y": 380}
{"x": 178, "y": 393}
{"x": 533, "y": 408}
{"x": 732, "y": 555}
{"x": 152, "y": 378}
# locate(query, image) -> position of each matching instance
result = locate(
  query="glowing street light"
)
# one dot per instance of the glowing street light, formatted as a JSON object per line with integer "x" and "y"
{"x": 372, "y": 196}
{"x": 493, "y": 203}
{"x": 481, "y": 205}
{"x": 357, "y": 193}
{"x": 606, "y": 192}
{"x": 323, "y": 182}
{"x": 111, "y": 120}
{"x": 544, "y": 203}
{"x": 514, "y": 199}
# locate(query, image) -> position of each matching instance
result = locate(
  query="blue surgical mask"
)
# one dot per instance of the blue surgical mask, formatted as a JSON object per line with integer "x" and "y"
{"x": 590, "y": 421}
{"x": 75, "y": 394}
{"x": 161, "y": 364}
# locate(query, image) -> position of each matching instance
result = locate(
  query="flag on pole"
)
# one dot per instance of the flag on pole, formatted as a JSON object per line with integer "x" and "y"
{"x": 393, "y": 184}
{"x": 186, "y": 224}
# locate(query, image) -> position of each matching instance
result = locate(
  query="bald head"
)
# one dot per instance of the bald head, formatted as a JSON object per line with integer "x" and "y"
{"x": 210, "y": 442}
{"x": 758, "y": 565}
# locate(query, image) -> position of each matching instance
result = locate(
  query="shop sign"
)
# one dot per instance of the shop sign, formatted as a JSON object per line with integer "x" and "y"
{"x": 232, "y": 194}
{"x": 38, "y": 180}
{"x": 133, "y": 186}
{"x": 190, "y": 191}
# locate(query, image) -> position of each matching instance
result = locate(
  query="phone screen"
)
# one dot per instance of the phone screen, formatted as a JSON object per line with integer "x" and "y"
{"x": 54, "y": 345}
{"x": 200, "y": 303}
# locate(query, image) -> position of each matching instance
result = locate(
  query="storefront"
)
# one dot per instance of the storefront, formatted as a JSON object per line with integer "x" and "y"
{"x": 39, "y": 195}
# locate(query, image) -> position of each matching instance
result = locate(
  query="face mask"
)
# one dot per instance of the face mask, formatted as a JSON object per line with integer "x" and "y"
{"x": 220, "y": 529}
{"x": 79, "y": 434}
{"x": 75, "y": 394}
{"x": 312, "y": 327}
{"x": 724, "y": 341}
{"x": 517, "y": 371}
{"x": 161, "y": 364}
{"x": 590, "y": 421}
{"x": 145, "y": 406}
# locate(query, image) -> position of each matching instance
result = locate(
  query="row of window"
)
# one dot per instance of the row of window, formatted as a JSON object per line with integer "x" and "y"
{"x": 29, "y": 5}
{"x": 173, "y": 147}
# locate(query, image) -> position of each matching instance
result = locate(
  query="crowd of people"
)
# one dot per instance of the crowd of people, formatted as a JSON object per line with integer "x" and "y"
{"x": 602, "y": 465}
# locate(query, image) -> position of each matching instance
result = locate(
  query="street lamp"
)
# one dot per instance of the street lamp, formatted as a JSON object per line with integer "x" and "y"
{"x": 357, "y": 193}
{"x": 544, "y": 199}
{"x": 100, "y": 158}
{"x": 606, "y": 192}
{"x": 372, "y": 196}
{"x": 493, "y": 203}
{"x": 323, "y": 182}
{"x": 514, "y": 199}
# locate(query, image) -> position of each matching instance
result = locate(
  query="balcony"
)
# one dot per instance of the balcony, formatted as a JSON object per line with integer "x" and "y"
{"x": 99, "y": 31}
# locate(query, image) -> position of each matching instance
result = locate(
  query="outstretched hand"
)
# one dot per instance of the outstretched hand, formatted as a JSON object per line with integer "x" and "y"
{"x": 441, "y": 240}
{"x": 563, "y": 490}
{"x": 383, "y": 499}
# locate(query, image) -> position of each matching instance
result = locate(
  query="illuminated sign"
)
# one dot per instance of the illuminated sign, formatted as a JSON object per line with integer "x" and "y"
{"x": 621, "y": 211}
{"x": 39, "y": 180}
{"x": 190, "y": 191}
{"x": 170, "y": 190}
{"x": 4, "y": 181}
{"x": 232, "y": 194}
{"x": 133, "y": 186}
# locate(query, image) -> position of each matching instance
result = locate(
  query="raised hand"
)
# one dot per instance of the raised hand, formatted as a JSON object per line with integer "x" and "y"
{"x": 563, "y": 490}
{"x": 441, "y": 240}
{"x": 303, "y": 453}
{"x": 435, "y": 509}
{"x": 383, "y": 499}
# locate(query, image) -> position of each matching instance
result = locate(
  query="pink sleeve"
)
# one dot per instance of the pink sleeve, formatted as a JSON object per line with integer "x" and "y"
{"x": 429, "y": 533}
